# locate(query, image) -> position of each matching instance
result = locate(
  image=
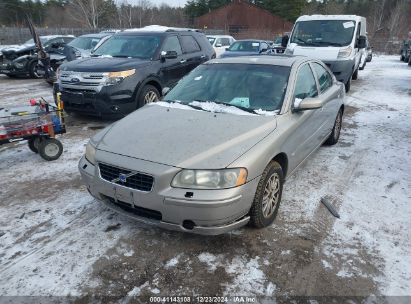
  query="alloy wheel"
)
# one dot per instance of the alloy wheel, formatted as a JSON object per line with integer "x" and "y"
{"x": 271, "y": 195}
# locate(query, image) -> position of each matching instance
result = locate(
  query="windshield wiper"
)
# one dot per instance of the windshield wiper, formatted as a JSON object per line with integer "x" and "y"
{"x": 120, "y": 56}
{"x": 229, "y": 105}
{"x": 185, "y": 104}
{"x": 328, "y": 43}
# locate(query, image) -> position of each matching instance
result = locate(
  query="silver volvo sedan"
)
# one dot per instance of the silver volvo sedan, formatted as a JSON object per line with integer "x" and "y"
{"x": 214, "y": 154}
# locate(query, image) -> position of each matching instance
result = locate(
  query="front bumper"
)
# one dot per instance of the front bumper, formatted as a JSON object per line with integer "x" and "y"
{"x": 207, "y": 212}
{"x": 342, "y": 69}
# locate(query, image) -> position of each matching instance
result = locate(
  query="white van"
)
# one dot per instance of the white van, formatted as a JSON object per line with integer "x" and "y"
{"x": 220, "y": 43}
{"x": 337, "y": 40}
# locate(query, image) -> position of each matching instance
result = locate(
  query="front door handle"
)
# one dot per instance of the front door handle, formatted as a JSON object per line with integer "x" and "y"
{"x": 183, "y": 61}
{"x": 203, "y": 56}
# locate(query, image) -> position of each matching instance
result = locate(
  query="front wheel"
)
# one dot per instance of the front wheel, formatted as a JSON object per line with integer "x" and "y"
{"x": 335, "y": 133}
{"x": 33, "y": 69}
{"x": 148, "y": 95}
{"x": 268, "y": 196}
{"x": 50, "y": 149}
{"x": 34, "y": 144}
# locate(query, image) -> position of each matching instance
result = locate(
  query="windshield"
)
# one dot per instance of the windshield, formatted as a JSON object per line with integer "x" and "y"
{"x": 143, "y": 46}
{"x": 211, "y": 40}
{"x": 323, "y": 32}
{"x": 84, "y": 43}
{"x": 248, "y": 86}
{"x": 245, "y": 46}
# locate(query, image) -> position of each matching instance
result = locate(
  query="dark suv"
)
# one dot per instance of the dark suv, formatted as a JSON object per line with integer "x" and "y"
{"x": 131, "y": 69}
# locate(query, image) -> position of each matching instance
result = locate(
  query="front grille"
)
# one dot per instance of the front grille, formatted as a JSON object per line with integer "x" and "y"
{"x": 134, "y": 180}
{"x": 84, "y": 84}
{"x": 139, "y": 211}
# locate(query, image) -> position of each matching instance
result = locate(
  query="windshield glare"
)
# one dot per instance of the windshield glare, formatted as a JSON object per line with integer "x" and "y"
{"x": 245, "y": 46}
{"x": 84, "y": 43}
{"x": 323, "y": 32}
{"x": 129, "y": 46}
{"x": 251, "y": 86}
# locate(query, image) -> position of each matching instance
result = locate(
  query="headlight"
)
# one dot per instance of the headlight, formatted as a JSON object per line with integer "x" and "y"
{"x": 116, "y": 77}
{"x": 288, "y": 51}
{"x": 91, "y": 153}
{"x": 210, "y": 179}
{"x": 345, "y": 52}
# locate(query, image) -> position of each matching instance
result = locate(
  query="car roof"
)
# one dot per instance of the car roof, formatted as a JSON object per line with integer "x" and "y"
{"x": 280, "y": 60}
{"x": 56, "y": 36}
{"x": 220, "y": 36}
{"x": 96, "y": 35}
{"x": 254, "y": 40}
{"x": 329, "y": 17}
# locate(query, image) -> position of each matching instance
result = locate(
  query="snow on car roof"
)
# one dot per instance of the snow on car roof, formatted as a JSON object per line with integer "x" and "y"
{"x": 328, "y": 17}
{"x": 159, "y": 28}
{"x": 281, "y": 60}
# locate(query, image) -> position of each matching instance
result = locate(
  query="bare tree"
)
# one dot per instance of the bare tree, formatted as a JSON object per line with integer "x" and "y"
{"x": 88, "y": 11}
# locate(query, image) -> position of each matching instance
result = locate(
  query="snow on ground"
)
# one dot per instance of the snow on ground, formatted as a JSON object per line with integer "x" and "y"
{"x": 56, "y": 240}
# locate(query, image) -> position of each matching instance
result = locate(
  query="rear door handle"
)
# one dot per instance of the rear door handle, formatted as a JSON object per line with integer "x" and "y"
{"x": 183, "y": 61}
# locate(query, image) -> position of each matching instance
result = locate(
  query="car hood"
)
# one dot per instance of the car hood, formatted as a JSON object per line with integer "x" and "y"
{"x": 19, "y": 49}
{"x": 322, "y": 53}
{"x": 185, "y": 138}
{"x": 103, "y": 64}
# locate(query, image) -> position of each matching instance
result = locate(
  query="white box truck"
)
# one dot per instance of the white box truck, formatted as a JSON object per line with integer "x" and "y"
{"x": 337, "y": 40}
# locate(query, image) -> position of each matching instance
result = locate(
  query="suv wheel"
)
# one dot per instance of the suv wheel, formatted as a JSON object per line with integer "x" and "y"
{"x": 348, "y": 85}
{"x": 149, "y": 94}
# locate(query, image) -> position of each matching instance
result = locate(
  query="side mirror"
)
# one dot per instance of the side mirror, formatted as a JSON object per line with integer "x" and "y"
{"x": 169, "y": 54}
{"x": 309, "y": 103}
{"x": 218, "y": 45}
{"x": 164, "y": 91}
{"x": 284, "y": 40}
{"x": 362, "y": 42}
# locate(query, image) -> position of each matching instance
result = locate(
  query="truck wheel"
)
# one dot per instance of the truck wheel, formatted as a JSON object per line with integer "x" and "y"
{"x": 34, "y": 144}
{"x": 348, "y": 85}
{"x": 355, "y": 75}
{"x": 148, "y": 94}
{"x": 33, "y": 69}
{"x": 50, "y": 149}
{"x": 335, "y": 133}
{"x": 268, "y": 196}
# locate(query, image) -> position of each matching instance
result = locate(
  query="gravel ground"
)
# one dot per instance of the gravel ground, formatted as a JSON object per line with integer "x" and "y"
{"x": 55, "y": 240}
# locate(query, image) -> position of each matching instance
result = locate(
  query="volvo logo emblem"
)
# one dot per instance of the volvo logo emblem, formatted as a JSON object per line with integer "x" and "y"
{"x": 122, "y": 177}
{"x": 74, "y": 80}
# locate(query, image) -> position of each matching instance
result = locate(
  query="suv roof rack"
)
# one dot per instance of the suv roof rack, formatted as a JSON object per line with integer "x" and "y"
{"x": 161, "y": 28}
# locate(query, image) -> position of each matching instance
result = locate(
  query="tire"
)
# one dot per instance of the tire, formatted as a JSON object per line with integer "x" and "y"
{"x": 147, "y": 95}
{"x": 355, "y": 75}
{"x": 409, "y": 61}
{"x": 50, "y": 149}
{"x": 402, "y": 58}
{"x": 335, "y": 133}
{"x": 348, "y": 85}
{"x": 33, "y": 70}
{"x": 263, "y": 215}
{"x": 34, "y": 144}
{"x": 363, "y": 67}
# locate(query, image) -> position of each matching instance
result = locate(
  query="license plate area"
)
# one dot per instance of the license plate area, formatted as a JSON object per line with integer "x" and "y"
{"x": 124, "y": 195}
{"x": 77, "y": 98}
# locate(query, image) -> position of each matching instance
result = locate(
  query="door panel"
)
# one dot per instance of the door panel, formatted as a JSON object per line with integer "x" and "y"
{"x": 173, "y": 69}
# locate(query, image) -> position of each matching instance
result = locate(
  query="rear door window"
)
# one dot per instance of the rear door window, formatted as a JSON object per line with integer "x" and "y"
{"x": 324, "y": 78}
{"x": 172, "y": 44}
{"x": 189, "y": 44}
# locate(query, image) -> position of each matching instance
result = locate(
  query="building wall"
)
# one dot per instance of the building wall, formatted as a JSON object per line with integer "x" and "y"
{"x": 240, "y": 19}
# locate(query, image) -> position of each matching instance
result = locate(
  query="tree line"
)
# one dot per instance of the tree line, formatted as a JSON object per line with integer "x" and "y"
{"x": 388, "y": 16}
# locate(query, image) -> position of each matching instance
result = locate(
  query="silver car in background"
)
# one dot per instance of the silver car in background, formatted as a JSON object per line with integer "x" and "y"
{"x": 213, "y": 156}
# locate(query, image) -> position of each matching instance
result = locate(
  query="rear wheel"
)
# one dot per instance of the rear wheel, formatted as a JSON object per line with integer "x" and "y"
{"x": 355, "y": 75}
{"x": 348, "y": 85}
{"x": 335, "y": 133}
{"x": 268, "y": 196}
{"x": 50, "y": 149}
{"x": 33, "y": 69}
{"x": 148, "y": 95}
{"x": 34, "y": 144}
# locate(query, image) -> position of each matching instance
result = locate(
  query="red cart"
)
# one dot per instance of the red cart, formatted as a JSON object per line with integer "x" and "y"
{"x": 38, "y": 123}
